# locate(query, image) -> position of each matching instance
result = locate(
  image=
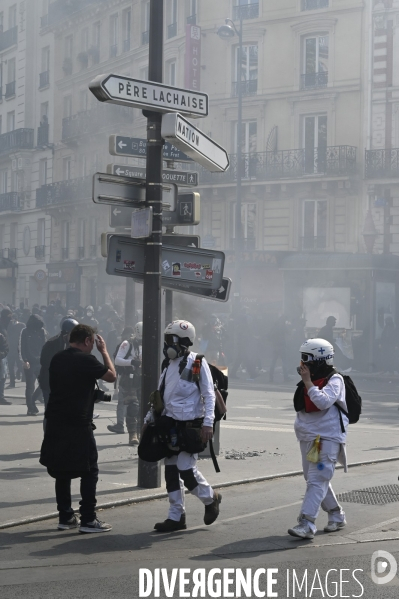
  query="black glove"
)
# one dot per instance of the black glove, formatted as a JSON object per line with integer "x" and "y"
{"x": 135, "y": 363}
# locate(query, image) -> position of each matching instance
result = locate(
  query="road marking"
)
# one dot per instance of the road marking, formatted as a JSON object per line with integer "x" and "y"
{"x": 374, "y": 526}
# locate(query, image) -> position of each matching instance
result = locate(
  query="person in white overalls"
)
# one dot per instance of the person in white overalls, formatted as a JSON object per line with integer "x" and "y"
{"x": 323, "y": 391}
{"x": 185, "y": 401}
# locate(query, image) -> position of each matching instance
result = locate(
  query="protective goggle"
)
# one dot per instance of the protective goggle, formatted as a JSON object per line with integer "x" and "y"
{"x": 307, "y": 358}
{"x": 171, "y": 339}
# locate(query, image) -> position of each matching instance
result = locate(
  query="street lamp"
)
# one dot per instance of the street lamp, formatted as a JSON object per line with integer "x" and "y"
{"x": 228, "y": 31}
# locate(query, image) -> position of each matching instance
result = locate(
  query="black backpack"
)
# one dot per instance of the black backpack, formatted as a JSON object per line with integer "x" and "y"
{"x": 221, "y": 384}
{"x": 352, "y": 398}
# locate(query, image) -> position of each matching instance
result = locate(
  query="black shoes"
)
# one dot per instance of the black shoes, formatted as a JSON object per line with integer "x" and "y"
{"x": 212, "y": 510}
{"x": 171, "y": 525}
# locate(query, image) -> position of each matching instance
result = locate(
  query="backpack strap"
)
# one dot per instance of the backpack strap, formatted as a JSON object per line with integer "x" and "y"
{"x": 211, "y": 449}
{"x": 340, "y": 410}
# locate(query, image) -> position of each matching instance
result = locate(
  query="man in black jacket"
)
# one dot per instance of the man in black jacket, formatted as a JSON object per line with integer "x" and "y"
{"x": 14, "y": 361}
{"x": 33, "y": 337}
{"x": 69, "y": 448}
{"x": 5, "y": 318}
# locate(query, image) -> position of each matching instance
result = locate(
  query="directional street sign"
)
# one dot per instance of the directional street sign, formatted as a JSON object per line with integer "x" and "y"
{"x": 183, "y": 178}
{"x": 187, "y": 211}
{"x": 149, "y": 95}
{"x": 117, "y": 191}
{"x": 196, "y": 266}
{"x": 120, "y": 145}
{"x": 188, "y": 241}
{"x": 182, "y": 134}
{"x": 220, "y": 295}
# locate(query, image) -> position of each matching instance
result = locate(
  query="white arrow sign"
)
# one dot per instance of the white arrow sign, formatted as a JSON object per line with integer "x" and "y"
{"x": 149, "y": 95}
{"x": 116, "y": 212}
{"x": 201, "y": 148}
{"x": 122, "y": 145}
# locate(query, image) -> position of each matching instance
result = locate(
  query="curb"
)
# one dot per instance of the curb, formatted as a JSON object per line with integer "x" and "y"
{"x": 155, "y": 496}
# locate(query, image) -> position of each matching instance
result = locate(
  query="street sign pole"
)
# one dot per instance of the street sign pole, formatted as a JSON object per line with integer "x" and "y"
{"x": 149, "y": 474}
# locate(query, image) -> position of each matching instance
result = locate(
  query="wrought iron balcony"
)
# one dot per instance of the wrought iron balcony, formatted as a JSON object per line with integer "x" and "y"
{"x": 81, "y": 252}
{"x": 246, "y": 11}
{"x": 18, "y": 139}
{"x": 314, "y": 4}
{"x": 40, "y": 252}
{"x": 65, "y": 253}
{"x": 248, "y": 87}
{"x": 314, "y": 80}
{"x": 96, "y": 119}
{"x": 93, "y": 251}
{"x": 73, "y": 190}
{"x": 10, "y": 89}
{"x": 8, "y": 38}
{"x": 12, "y": 253}
{"x": 172, "y": 30}
{"x": 44, "y": 79}
{"x": 313, "y": 243}
{"x": 382, "y": 164}
{"x": 192, "y": 20}
{"x": 43, "y": 134}
{"x": 126, "y": 45}
{"x": 10, "y": 201}
{"x": 113, "y": 50}
{"x": 288, "y": 164}
{"x": 145, "y": 37}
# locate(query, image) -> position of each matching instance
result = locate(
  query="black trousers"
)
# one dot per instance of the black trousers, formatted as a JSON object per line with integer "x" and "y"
{"x": 88, "y": 485}
{"x": 32, "y": 394}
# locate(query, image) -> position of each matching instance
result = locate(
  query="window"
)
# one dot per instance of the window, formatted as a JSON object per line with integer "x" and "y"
{"x": 14, "y": 181}
{"x": 1, "y": 21}
{"x": 82, "y": 237}
{"x": 67, "y": 168}
{"x": 11, "y": 121}
{"x": 12, "y": 16}
{"x": 315, "y": 143}
{"x": 4, "y": 181}
{"x": 2, "y": 227}
{"x": 191, "y": 12}
{"x": 93, "y": 238}
{"x": 171, "y": 12}
{"x": 1, "y": 124}
{"x": 67, "y": 106}
{"x": 113, "y": 36}
{"x": 11, "y": 70}
{"x": 41, "y": 231}
{"x": 43, "y": 171}
{"x": 45, "y": 4}
{"x": 314, "y": 224}
{"x": 68, "y": 46}
{"x": 83, "y": 166}
{"x": 246, "y": 9}
{"x": 314, "y": 4}
{"x": 248, "y": 224}
{"x": 65, "y": 239}
{"x": 246, "y": 71}
{"x": 127, "y": 29}
{"x": 83, "y": 100}
{"x": 144, "y": 73}
{"x": 84, "y": 40}
{"x": 315, "y": 62}
{"x": 14, "y": 235}
{"x": 96, "y": 35}
{"x": 45, "y": 59}
{"x": 1, "y": 79}
{"x": 44, "y": 111}
{"x": 171, "y": 72}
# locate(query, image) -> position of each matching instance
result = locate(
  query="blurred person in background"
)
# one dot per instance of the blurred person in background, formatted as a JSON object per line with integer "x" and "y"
{"x": 33, "y": 337}
{"x": 5, "y": 319}
{"x": 14, "y": 361}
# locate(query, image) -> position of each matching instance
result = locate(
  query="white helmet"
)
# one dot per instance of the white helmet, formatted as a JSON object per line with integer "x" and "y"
{"x": 182, "y": 329}
{"x": 138, "y": 330}
{"x": 317, "y": 350}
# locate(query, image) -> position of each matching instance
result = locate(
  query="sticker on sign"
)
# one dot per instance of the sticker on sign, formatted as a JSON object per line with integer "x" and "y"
{"x": 141, "y": 223}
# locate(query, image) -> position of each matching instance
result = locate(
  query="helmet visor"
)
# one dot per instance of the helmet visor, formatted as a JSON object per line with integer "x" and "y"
{"x": 171, "y": 339}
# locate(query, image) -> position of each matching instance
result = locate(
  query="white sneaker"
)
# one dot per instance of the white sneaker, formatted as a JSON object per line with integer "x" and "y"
{"x": 95, "y": 526}
{"x": 302, "y": 530}
{"x": 334, "y": 526}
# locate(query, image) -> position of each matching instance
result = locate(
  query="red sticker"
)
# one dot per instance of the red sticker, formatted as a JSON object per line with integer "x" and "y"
{"x": 209, "y": 275}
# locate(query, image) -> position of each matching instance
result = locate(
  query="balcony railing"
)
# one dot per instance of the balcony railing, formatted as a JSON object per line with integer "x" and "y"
{"x": 8, "y": 38}
{"x": 91, "y": 121}
{"x": 40, "y": 252}
{"x": 246, "y": 11}
{"x": 314, "y": 4}
{"x": 81, "y": 252}
{"x": 126, "y": 45}
{"x": 10, "y": 201}
{"x": 73, "y": 190}
{"x": 314, "y": 80}
{"x": 43, "y": 134}
{"x": 192, "y": 20}
{"x": 288, "y": 164}
{"x": 17, "y": 139}
{"x": 113, "y": 50}
{"x": 172, "y": 30}
{"x": 145, "y": 37}
{"x": 313, "y": 243}
{"x": 248, "y": 88}
{"x": 93, "y": 251}
{"x": 12, "y": 253}
{"x": 10, "y": 90}
{"x": 382, "y": 164}
{"x": 44, "y": 79}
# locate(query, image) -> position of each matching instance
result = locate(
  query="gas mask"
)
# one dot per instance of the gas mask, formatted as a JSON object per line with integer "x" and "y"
{"x": 172, "y": 348}
{"x": 89, "y": 314}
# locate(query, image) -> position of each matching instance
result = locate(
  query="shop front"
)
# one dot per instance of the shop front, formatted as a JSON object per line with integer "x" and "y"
{"x": 8, "y": 278}
{"x": 64, "y": 283}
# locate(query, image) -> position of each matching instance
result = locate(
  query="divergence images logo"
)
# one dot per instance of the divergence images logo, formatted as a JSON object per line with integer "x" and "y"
{"x": 383, "y": 567}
